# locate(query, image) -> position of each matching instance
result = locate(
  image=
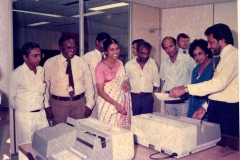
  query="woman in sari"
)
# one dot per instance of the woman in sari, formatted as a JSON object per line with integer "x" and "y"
{"x": 202, "y": 72}
{"x": 114, "y": 104}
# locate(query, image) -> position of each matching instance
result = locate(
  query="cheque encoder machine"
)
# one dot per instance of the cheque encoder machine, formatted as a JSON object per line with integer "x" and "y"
{"x": 82, "y": 139}
{"x": 170, "y": 134}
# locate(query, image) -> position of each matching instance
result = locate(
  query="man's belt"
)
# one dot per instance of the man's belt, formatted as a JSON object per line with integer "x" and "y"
{"x": 36, "y": 110}
{"x": 68, "y": 98}
{"x": 141, "y": 93}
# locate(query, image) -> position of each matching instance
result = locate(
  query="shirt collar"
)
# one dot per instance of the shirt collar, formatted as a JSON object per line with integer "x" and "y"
{"x": 25, "y": 67}
{"x": 225, "y": 50}
{"x": 181, "y": 50}
{"x": 97, "y": 51}
{"x": 64, "y": 60}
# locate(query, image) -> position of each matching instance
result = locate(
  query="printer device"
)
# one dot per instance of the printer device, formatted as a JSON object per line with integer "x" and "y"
{"x": 82, "y": 139}
{"x": 170, "y": 134}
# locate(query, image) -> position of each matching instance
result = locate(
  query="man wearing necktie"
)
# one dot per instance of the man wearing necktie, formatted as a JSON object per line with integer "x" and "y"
{"x": 223, "y": 105}
{"x": 183, "y": 43}
{"x": 92, "y": 58}
{"x": 68, "y": 81}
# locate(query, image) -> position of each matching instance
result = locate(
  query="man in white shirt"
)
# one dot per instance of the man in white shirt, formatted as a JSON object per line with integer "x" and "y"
{"x": 143, "y": 76}
{"x": 175, "y": 70}
{"x": 223, "y": 105}
{"x": 92, "y": 58}
{"x": 183, "y": 43}
{"x": 27, "y": 88}
{"x": 68, "y": 80}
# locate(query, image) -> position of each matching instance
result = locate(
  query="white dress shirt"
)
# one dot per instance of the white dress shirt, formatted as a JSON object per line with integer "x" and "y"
{"x": 57, "y": 79}
{"x": 180, "y": 50}
{"x": 224, "y": 84}
{"x": 92, "y": 58}
{"x": 27, "y": 89}
{"x": 142, "y": 80}
{"x": 178, "y": 73}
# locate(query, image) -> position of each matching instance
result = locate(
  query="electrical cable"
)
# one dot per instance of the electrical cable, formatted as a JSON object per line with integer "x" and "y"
{"x": 170, "y": 156}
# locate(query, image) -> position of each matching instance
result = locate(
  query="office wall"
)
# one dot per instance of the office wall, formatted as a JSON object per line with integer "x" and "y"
{"x": 227, "y": 13}
{"x": 190, "y": 20}
{"x": 194, "y": 20}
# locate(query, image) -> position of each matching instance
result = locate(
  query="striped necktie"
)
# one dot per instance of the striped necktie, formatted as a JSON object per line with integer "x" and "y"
{"x": 70, "y": 78}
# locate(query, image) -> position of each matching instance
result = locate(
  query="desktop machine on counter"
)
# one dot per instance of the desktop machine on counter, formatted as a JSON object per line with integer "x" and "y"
{"x": 170, "y": 134}
{"x": 82, "y": 139}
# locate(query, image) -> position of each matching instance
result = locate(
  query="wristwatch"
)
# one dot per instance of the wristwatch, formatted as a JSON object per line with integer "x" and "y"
{"x": 185, "y": 88}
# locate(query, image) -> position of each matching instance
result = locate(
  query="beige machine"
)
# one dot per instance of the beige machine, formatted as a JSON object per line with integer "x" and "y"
{"x": 88, "y": 139}
{"x": 170, "y": 134}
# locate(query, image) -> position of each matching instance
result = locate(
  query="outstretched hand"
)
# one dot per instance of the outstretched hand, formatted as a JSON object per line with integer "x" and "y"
{"x": 176, "y": 92}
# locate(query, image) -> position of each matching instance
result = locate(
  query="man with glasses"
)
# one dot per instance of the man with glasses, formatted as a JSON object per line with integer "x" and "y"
{"x": 68, "y": 80}
{"x": 27, "y": 88}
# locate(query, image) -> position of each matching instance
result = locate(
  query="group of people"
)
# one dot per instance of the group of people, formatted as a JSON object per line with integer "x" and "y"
{"x": 100, "y": 86}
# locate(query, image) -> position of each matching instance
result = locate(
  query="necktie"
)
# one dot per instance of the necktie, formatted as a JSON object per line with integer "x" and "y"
{"x": 102, "y": 56}
{"x": 184, "y": 52}
{"x": 70, "y": 78}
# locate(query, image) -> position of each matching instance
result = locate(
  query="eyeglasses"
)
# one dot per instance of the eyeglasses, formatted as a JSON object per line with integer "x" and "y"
{"x": 70, "y": 48}
{"x": 37, "y": 55}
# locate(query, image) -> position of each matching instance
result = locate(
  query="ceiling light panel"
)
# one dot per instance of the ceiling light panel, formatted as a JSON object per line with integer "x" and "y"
{"x": 115, "y": 5}
{"x": 38, "y": 13}
{"x": 38, "y": 24}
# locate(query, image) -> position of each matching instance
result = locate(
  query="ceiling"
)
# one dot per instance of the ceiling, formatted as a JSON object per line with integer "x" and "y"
{"x": 117, "y": 17}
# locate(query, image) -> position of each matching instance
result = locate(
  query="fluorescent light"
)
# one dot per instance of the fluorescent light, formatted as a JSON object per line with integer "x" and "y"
{"x": 14, "y": 1}
{"x": 92, "y": 13}
{"x": 89, "y": 14}
{"x": 37, "y": 24}
{"x": 38, "y": 13}
{"x": 109, "y": 6}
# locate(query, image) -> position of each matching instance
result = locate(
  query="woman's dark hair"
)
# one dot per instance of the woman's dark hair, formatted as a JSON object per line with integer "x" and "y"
{"x": 108, "y": 42}
{"x": 202, "y": 44}
{"x": 27, "y": 47}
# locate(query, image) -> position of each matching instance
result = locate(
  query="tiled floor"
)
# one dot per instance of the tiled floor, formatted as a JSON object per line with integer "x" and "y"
{"x": 5, "y": 137}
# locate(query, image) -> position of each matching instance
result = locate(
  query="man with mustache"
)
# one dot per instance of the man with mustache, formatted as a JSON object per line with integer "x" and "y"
{"x": 143, "y": 76}
{"x": 175, "y": 70}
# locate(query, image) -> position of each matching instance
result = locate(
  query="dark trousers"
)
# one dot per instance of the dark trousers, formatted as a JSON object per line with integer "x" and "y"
{"x": 142, "y": 103}
{"x": 226, "y": 115}
{"x": 64, "y": 109}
